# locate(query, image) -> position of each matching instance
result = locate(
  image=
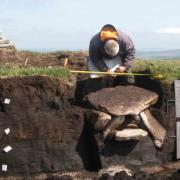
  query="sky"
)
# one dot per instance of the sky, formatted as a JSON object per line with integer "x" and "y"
{"x": 70, "y": 24}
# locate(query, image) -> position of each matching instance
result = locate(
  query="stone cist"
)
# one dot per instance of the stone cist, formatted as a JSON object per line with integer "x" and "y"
{"x": 110, "y": 50}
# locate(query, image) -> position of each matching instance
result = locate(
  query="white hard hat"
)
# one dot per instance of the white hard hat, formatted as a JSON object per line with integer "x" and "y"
{"x": 111, "y": 47}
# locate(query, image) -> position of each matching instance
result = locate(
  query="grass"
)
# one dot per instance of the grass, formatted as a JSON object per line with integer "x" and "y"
{"x": 170, "y": 69}
{"x": 31, "y": 71}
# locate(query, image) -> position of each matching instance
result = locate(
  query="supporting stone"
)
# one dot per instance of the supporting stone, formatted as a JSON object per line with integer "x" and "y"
{"x": 112, "y": 126}
{"x": 157, "y": 131}
{"x": 98, "y": 120}
{"x": 130, "y": 134}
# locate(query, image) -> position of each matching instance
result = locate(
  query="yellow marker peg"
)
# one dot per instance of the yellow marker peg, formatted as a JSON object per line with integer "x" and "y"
{"x": 65, "y": 62}
{"x": 158, "y": 76}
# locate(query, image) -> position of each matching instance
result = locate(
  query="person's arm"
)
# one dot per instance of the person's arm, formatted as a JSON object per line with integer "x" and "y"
{"x": 94, "y": 53}
{"x": 129, "y": 52}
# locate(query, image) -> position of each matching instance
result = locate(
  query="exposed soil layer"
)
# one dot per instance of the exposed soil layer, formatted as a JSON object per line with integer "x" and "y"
{"x": 45, "y": 127}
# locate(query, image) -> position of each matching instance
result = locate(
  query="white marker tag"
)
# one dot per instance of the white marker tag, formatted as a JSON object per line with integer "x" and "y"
{"x": 7, "y": 131}
{"x": 7, "y": 148}
{"x": 4, "y": 167}
{"x": 7, "y": 101}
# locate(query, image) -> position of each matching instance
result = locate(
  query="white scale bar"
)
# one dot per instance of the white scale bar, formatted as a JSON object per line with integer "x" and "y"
{"x": 7, "y": 101}
{"x": 177, "y": 103}
{"x": 4, "y": 167}
{"x": 178, "y": 139}
{"x": 177, "y": 97}
{"x": 7, "y": 149}
{"x": 7, "y": 131}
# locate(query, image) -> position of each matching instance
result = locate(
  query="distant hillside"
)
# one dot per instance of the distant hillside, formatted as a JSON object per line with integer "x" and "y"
{"x": 171, "y": 54}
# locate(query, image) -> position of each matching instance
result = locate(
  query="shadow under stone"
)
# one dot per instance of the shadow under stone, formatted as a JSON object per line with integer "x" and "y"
{"x": 122, "y": 148}
{"x": 88, "y": 150}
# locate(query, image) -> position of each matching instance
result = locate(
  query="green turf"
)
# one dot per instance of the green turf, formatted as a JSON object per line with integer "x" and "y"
{"x": 31, "y": 71}
{"x": 170, "y": 69}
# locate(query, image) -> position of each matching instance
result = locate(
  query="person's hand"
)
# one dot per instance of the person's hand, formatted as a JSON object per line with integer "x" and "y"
{"x": 110, "y": 73}
{"x": 120, "y": 69}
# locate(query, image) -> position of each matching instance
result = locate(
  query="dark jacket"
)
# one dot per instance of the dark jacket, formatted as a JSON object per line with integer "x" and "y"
{"x": 126, "y": 52}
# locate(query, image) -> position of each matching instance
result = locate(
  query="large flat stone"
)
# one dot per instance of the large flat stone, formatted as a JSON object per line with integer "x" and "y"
{"x": 122, "y": 100}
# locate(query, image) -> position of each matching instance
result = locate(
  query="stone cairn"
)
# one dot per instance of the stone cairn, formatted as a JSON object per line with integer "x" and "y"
{"x": 7, "y": 50}
{"x": 4, "y": 42}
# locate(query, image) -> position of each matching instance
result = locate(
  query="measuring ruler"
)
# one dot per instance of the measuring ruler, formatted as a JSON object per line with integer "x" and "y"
{"x": 177, "y": 104}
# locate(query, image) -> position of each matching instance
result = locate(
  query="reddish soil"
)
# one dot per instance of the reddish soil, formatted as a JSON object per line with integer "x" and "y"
{"x": 76, "y": 60}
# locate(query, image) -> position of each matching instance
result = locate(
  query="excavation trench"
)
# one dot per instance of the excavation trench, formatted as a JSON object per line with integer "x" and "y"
{"x": 50, "y": 131}
{"x": 143, "y": 152}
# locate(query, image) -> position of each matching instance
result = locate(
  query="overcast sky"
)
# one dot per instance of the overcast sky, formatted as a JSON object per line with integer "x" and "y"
{"x": 70, "y": 24}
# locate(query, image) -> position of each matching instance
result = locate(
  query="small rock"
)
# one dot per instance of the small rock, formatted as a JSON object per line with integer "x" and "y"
{"x": 112, "y": 170}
